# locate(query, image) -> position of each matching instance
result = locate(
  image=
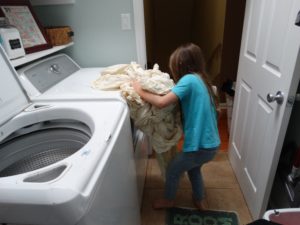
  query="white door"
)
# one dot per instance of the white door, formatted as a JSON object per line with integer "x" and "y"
{"x": 268, "y": 64}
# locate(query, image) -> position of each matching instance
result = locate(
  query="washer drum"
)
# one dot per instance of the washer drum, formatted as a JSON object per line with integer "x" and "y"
{"x": 40, "y": 145}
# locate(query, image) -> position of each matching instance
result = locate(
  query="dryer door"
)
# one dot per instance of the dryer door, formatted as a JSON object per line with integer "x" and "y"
{"x": 12, "y": 97}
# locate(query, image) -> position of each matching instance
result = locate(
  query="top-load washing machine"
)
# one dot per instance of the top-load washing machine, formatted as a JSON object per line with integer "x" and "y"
{"x": 64, "y": 162}
{"x": 60, "y": 78}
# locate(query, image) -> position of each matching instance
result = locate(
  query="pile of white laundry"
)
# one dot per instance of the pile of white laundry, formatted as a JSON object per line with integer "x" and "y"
{"x": 163, "y": 126}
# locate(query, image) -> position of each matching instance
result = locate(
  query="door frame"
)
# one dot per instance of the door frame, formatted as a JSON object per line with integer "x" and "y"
{"x": 139, "y": 30}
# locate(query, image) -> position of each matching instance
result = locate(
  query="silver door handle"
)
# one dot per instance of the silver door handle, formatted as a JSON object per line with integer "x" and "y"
{"x": 278, "y": 97}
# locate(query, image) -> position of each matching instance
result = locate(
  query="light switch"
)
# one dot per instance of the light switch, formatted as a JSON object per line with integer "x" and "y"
{"x": 125, "y": 21}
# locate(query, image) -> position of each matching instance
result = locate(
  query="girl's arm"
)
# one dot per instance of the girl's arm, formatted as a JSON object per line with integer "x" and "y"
{"x": 159, "y": 101}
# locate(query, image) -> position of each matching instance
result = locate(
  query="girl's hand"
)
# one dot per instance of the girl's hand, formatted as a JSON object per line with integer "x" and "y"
{"x": 156, "y": 100}
{"x": 137, "y": 86}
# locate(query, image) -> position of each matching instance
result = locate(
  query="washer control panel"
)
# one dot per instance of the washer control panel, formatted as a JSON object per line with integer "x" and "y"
{"x": 47, "y": 73}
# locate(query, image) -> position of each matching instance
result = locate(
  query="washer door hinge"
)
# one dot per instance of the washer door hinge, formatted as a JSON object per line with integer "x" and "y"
{"x": 35, "y": 107}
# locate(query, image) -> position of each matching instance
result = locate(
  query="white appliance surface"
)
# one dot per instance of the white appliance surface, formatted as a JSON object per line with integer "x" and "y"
{"x": 75, "y": 83}
{"x": 101, "y": 174}
{"x": 79, "y": 86}
{"x": 94, "y": 185}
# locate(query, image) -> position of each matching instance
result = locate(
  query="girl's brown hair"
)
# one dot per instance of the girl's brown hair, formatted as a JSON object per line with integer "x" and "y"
{"x": 188, "y": 58}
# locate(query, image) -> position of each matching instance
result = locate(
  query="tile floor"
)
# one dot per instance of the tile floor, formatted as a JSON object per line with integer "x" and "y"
{"x": 221, "y": 187}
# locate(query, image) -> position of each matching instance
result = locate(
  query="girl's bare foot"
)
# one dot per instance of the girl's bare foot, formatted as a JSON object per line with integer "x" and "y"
{"x": 163, "y": 204}
{"x": 199, "y": 205}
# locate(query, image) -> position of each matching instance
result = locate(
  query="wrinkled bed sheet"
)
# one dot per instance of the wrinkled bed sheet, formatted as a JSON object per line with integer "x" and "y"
{"x": 163, "y": 126}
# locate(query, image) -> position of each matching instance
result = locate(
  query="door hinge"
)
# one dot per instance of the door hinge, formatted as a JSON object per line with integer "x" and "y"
{"x": 297, "y": 22}
{"x": 292, "y": 99}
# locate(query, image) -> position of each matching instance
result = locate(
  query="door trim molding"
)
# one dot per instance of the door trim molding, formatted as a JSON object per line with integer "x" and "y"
{"x": 139, "y": 31}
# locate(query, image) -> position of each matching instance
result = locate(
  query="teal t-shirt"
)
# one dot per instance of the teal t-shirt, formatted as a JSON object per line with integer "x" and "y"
{"x": 199, "y": 115}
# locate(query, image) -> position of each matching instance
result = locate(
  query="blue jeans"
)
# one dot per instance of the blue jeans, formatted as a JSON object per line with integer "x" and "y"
{"x": 192, "y": 163}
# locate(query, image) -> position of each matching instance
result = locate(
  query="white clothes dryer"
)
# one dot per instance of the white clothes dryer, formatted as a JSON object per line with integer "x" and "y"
{"x": 60, "y": 78}
{"x": 64, "y": 162}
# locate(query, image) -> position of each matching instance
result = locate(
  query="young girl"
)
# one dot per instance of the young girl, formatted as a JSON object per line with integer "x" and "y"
{"x": 198, "y": 105}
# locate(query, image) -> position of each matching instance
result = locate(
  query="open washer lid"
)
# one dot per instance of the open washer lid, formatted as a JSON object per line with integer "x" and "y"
{"x": 12, "y": 96}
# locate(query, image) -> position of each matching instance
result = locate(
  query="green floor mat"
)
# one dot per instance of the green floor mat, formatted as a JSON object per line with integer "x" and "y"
{"x": 186, "y": 216}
